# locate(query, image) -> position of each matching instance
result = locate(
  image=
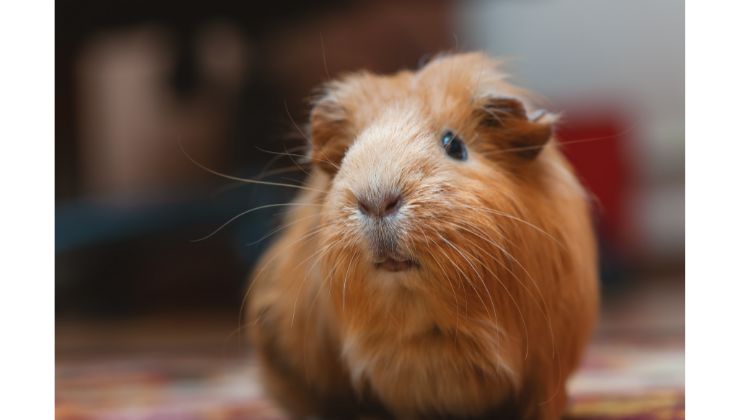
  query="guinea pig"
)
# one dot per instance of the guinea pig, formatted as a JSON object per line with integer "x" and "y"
{"x": 440, "y": 261}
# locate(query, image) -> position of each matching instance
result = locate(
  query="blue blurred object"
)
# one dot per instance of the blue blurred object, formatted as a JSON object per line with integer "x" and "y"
{"x": 89, "y": 222}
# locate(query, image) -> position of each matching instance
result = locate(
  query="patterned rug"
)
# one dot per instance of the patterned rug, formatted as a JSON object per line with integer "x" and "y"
{"x": 629, "y": 373}
{"x": 618, "y": 381}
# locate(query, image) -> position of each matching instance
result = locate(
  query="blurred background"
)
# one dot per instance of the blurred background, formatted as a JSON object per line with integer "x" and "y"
{"x": 148, "y": 320}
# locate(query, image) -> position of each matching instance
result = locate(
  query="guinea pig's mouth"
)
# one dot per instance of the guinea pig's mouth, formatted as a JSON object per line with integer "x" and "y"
{"x": 393, "y": 264}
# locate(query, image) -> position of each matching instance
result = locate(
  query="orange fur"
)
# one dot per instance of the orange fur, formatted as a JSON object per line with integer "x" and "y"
{"x": 496, "y": 315}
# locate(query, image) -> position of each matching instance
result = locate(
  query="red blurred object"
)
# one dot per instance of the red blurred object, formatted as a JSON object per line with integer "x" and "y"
{"x": 595, "y": 140}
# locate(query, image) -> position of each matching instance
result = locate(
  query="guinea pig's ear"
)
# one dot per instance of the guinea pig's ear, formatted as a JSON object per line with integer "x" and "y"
{"x": 515, "y": 131}
{"x": 329, "y": 133}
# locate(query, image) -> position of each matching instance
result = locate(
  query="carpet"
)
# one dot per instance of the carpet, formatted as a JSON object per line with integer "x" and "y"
{"x": 634, "y": 369}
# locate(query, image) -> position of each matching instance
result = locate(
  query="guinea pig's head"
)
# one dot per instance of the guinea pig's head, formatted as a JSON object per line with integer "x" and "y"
{"x": 420, "y": 165}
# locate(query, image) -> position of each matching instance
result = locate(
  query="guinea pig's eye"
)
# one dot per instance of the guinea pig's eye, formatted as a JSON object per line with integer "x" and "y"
{"x": 454, "y": 147}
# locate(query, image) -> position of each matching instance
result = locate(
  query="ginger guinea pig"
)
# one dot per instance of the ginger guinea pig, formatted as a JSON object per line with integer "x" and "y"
{"x": 441, "y": 261}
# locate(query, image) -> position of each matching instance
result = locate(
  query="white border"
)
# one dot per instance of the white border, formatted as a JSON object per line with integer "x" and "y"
{"x": 27, "y": 209}
{"x": 712, "y": 209}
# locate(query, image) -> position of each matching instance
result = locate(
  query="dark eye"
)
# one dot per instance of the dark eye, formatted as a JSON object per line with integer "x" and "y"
{"x": 454, "y": 147}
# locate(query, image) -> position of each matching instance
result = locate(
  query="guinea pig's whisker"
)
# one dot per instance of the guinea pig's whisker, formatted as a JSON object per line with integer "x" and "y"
{"x": 280, "y": 171}
{"x": 299, "y": 156}
{"x": 462, "y": 273}
{"x": 318, "y": 293}
{"x": 244, "y": 180}
{"x": 472, "y": 266}
{"x": 290, "y": 156}
{"x": 320, "y": 288}
{"x": 331, "y": 272}
{"x": 565, "y": 143}
{"x": 479, "y": 234}
{"x": 321, "y": 283}
{"x": 278, "y": 156}
{"x": 508, "y": 292}
{"x": 516, "y": 305}
{"x": 308, "y": 140}
{"x": 559, "y": 366}
{"x": 245, "y": 212}
{"x": 295, "y": 125}
{"x": 337, "y": 264}
{"x": 475, "y": 231}
{"x": 515, "y": 218}
{"x": 454, "y": 293}
{"x": 452, "y": 288}
{"x": 286, "y": 153}
{"x": 544, "y": 308}
{"x": 286, "y": 170}
{"x": 518, "y": 308}
{"x": 281, "y": 228}
{"x": 460, "y": 277}
{"x": 323, "y": 56}
{"x": 267, "y": 263}
{"x": 303, "y": 160}
{"x": 346, "y": 277}
{"x": 490, "y": 297}
{"x": 235, "y": 185}
{"x": 316, "y": 256}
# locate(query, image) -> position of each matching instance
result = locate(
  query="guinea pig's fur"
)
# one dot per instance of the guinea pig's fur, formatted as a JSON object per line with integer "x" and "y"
{"x": 494, "y": 294}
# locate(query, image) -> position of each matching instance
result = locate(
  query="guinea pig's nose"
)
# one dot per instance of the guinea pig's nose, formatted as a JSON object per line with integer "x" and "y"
{"x": 387, "y": 206}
